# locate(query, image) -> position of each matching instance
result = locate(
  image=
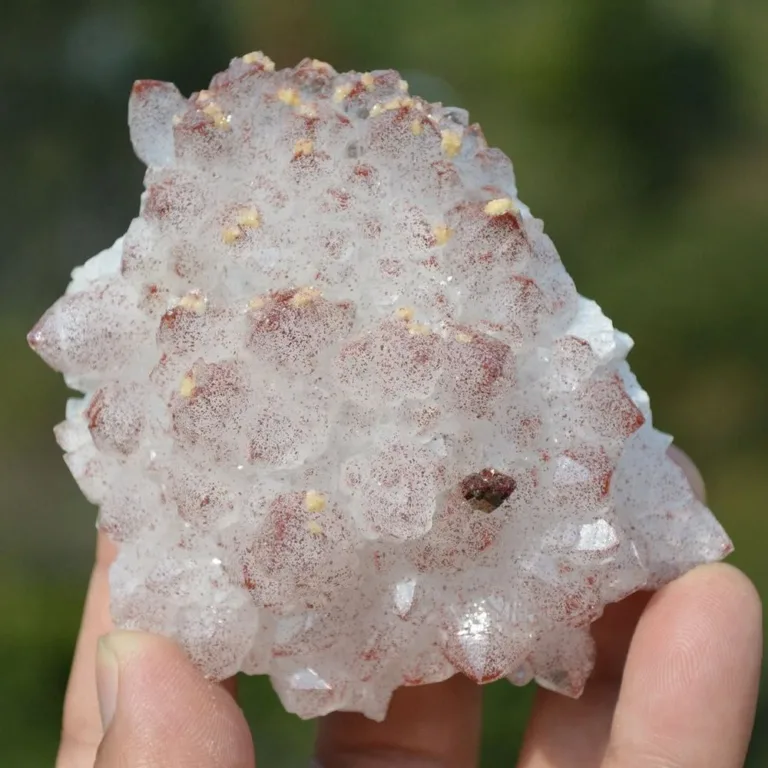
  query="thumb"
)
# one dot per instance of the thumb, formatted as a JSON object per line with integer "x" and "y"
{"x": 158, "y": 710}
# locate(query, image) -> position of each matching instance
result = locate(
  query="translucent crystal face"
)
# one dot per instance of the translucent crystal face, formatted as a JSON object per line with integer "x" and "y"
{"x": 344, "y": 410}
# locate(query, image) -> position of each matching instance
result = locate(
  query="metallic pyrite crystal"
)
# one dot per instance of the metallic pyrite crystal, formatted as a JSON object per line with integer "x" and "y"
{"x": 344, "y": 411}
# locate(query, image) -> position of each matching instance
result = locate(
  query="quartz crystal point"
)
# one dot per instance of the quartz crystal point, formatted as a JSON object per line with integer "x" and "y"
{"x": 344, "y": 410}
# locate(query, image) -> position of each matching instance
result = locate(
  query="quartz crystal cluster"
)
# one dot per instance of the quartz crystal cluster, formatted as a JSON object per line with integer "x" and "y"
{"x": 344, "y": 410}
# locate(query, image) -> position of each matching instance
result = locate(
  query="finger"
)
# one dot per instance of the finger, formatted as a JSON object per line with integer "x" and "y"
{"x": 159, "y": 710}
{"x": 430, "y": 726}
{"x": 82, "y": 729}
{"x": 690, "y": 686}
{"x": 566, "y": 732}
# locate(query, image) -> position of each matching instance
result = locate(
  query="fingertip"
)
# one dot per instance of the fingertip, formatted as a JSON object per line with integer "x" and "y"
{"x": 165, "y": 710}
{"x": 710, "y": 617}
{"x": 726, "y": 590}
{"x": 690, "y": 684}
{"x": 113, "y": 652}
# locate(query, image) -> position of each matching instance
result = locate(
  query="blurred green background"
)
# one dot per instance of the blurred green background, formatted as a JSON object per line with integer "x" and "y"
{"x": 638, "y": 130}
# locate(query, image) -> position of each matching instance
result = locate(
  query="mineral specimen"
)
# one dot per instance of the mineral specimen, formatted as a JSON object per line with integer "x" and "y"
{"x": 344, "y": 411}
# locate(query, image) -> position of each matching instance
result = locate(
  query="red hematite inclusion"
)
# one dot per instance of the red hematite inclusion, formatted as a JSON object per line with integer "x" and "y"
{"x": 344, "y": 411}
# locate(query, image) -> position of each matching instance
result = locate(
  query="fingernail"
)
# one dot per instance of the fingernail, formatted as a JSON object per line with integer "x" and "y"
{"x": 113, "y": 651}
{"x": 107, "y": 675}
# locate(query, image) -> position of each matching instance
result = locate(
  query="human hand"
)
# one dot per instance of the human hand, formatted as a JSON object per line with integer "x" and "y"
{"x": 675, "y": 687}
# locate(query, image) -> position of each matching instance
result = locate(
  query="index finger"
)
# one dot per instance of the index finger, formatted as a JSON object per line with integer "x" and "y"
{"x": 82, "y": 731}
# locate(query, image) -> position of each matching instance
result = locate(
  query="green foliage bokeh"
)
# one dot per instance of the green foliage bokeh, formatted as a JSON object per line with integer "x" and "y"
{"x": 638, "y": 132}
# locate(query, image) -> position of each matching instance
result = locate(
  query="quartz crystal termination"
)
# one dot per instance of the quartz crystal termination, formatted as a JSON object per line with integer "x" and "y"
{"x": 344, "y": 410}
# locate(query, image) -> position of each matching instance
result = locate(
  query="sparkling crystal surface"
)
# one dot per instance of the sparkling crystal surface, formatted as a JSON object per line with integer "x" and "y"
{"x": 344, "y": 410}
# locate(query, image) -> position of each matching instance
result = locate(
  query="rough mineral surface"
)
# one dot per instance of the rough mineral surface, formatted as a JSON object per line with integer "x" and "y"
{"x": 345, "y": 412}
